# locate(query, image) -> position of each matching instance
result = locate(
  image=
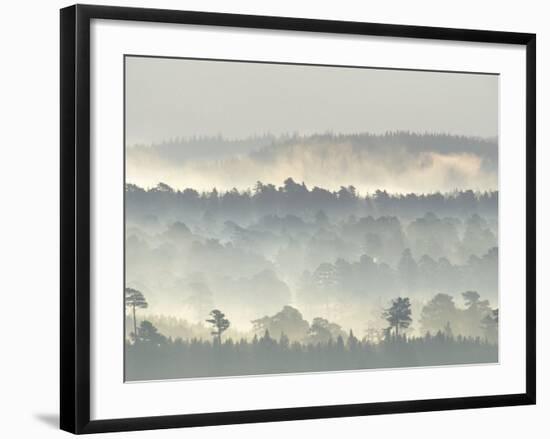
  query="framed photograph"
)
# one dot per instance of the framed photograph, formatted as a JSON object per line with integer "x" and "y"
{"x": 273, "y": 218}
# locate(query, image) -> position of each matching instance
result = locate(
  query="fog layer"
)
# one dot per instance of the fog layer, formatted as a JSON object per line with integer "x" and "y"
{"x": 397, "y": 162}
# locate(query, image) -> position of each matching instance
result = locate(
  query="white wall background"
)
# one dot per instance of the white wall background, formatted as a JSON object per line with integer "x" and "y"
{"x": 29, "y": 248}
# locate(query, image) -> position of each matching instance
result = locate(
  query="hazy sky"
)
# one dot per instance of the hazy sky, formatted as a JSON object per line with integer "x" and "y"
{"x": 174, "y": 98}
{"x": 167, "y": 98}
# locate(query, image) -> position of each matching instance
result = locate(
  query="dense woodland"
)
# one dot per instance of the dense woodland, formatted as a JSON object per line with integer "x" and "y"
{"x": 189, "y": 257}
{"x": 265, "y": 355}
{"x": 292, "y": 198}
{"x": 265, "y": 146}
{"x": 306, "y": 276}
{"x": 319, "y": 346}
{"x": 396, "y": 161}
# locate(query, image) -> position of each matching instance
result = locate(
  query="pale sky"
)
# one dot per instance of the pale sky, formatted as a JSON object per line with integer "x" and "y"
{"x": 167, "y": 98}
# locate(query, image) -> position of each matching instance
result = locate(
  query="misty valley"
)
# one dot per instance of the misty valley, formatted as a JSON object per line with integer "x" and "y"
{"x": 290, "y": 278}
{"x": 289, "y": 218}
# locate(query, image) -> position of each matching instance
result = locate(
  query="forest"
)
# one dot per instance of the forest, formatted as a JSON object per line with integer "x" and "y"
{"x": 305, "y": 273}
{"x": 398, "y": 162}
{"x": 316, "y": 347}
{"x": 191, "y": 253}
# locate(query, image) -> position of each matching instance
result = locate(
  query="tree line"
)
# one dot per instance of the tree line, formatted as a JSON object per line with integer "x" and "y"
{"x": 296, "y": 197}
{"x": 155, "y": 356}
{"x": 151, "y": 354}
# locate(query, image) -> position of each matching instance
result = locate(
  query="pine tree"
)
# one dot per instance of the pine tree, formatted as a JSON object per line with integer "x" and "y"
{"x": 135, "y": 299}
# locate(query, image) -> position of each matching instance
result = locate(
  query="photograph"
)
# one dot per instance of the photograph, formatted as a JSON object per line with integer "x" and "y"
{"x": 269, "y": 219}
{"x": 287, "y": 218}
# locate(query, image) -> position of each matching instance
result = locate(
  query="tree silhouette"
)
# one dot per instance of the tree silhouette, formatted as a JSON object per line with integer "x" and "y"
{"x": 398, "y": 314}
{"x": 438, "y": 312}
{"x": 476, "y": 310}
{"x": 471, "y": 298}
{"x": 147, "y": 332}
{"x": 321, "y": 330}
{"x": 288, "y": 321}
{"x": 353, "y": 342}
{"x": 134, "y": 299}
{"x": 219, "y": 322}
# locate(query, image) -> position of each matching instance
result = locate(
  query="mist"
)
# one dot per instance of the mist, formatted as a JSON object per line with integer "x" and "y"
{"x": 284, "y": 271}
{"x": 270, "y": 247}
{"x": 397, "y": 162}
{"x": 297, "y": 218}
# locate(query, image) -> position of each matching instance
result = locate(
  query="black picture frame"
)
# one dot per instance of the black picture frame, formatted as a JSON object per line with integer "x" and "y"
{"x": 75, "y": 217}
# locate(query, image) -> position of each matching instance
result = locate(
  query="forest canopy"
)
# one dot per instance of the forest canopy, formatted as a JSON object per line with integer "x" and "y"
{"x": 318, "y": 250}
